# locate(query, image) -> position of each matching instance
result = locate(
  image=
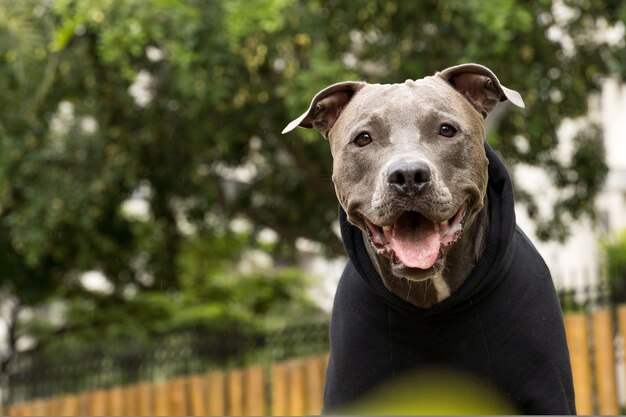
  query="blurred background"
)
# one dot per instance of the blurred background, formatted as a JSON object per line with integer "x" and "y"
{"x": 155, "y": 225}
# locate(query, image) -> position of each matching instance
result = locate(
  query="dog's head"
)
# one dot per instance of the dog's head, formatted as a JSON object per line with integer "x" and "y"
{"x": 409, "y": 166}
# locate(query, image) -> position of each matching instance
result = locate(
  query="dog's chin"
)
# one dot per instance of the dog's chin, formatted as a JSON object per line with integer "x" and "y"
{"x": 398, "y": 269}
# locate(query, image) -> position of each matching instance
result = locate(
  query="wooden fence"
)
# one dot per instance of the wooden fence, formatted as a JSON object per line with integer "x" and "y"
{"x": 294, "y": 387}
{"x": 591, "y": 339}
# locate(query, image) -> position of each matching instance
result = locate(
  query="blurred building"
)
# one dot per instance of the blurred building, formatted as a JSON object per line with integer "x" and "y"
{"x": 575, "y": 263}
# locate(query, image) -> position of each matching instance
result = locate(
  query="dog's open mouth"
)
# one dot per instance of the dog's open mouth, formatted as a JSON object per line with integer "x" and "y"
{"x": 413, "y": 239}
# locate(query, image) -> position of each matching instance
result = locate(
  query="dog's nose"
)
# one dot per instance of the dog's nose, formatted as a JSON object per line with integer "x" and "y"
{"x": 408, "y": 177}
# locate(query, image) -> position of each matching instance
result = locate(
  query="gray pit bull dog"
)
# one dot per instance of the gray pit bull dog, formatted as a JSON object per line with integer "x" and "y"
{"x": 410, "y": 171}
{"x": 438, "y": 271}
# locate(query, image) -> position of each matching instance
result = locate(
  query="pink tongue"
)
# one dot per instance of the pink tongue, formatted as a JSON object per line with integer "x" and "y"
{"x": 415, "y": 241}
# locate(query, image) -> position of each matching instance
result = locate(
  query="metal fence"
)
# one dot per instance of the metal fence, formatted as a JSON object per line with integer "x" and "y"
{"x": 37, "y": 375}
{"x": 583, "y": 298}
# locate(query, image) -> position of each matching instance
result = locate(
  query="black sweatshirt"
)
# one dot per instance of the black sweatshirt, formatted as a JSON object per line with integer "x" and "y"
{"x": 503, "y": 325}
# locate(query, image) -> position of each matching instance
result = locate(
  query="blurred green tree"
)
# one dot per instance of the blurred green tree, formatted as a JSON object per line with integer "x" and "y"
{"x": 179, "y": 105}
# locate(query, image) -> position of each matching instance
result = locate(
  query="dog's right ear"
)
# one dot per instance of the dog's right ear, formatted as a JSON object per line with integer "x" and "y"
{"x": 480, "y": 86}
{"x": 326, "y": 107}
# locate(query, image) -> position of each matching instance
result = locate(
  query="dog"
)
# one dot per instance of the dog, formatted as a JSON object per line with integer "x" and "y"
{"x": 438, "y": 274}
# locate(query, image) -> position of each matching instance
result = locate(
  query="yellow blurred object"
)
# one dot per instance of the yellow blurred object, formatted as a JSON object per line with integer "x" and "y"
{"x": 433, "y": 392}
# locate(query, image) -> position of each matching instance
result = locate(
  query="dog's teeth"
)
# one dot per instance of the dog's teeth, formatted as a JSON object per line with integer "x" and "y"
{"x": 387, "y": 229}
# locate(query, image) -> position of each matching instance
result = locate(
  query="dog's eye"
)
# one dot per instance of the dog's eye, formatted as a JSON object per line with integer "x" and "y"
{"x": 447, "y": 130}
{"x": 362, "y": 139}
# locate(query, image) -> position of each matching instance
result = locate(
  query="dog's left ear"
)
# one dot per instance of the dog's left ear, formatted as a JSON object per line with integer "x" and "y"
{"x": 326, "y": 107}
{"x": 480, "y": 86}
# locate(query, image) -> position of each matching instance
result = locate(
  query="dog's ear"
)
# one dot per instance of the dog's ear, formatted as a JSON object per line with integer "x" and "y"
{"x": 326, "y": 107}
{"x": 480, "y": 86}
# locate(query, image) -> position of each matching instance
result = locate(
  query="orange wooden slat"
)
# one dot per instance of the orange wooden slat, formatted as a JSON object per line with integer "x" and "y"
{"x": 160, "y": 402}
{"x": 15, "y": 410}
{"x": 216, "y": 393}
{"x": 324, "y": 365}
{"x": 61, "y": 400}
{"x": 254, "y": 391}
{"x": 197, "y": 395}
{"x": 116, "y": 401}
{"x": 53, "y": 406}
{"x": 98, "y": 403}
{"x": 577, "y": 332}
{"x": 178, "y": 396}
{"x": 605, "y": 362}
{"x": 144, "y": 400}
{"x": 279, "y": 389}
{"x": 314, "y": 384}
{"x": 84, "y": 403}
{"x": 296, "y": 388}
{"x": 69, "y": 405}
{"x": 18, "y": 410}
{"x": 39, "y": 408}
{"x": 27, "y": 409}
{"x": 130, "y": 397}
{"x": 235, "y": 392}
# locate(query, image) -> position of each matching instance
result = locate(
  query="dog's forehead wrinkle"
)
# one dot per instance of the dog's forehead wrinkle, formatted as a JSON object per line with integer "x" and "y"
{"x": 375, "y": 120}
{"x": 382, "y": 94}
{"x": 411, "y": 101}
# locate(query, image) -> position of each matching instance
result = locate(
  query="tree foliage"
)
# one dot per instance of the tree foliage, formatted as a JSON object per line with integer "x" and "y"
{"x": 614, "y": 266}
{"x": 181, "y": 104}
